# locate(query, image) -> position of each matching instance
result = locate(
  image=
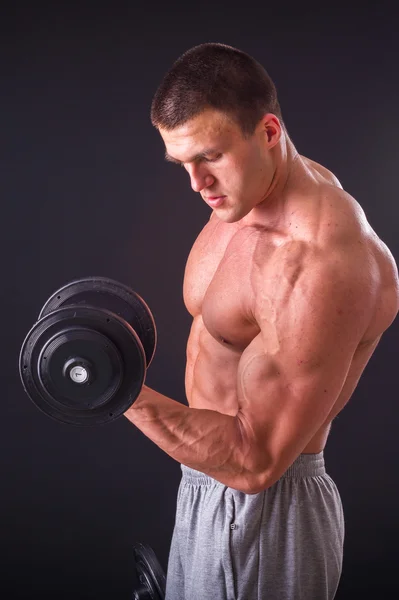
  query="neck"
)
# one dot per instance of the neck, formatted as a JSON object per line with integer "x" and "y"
{"x": 269, "y": 208}
{"x": 284, "y": 156}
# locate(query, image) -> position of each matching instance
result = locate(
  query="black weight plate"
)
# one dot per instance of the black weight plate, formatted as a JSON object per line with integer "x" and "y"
{"x": 149, "y": 571}
{"x": 106, "y": 293}
{"x": 105, "y": 345}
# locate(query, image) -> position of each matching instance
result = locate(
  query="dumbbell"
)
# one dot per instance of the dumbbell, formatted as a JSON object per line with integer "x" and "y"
{"x": 84, "y": 361}
{"x": 151, "y": 578}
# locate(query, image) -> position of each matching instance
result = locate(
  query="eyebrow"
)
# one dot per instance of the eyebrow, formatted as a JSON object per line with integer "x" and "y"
{"x": 198, "y": 156}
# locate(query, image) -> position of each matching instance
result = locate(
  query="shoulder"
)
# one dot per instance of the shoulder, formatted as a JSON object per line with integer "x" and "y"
{"x": 329, "y": 251}
{"x": 326, "y": 215}
{"x": 328, "y": 175}
{"x": 324, "y": 210}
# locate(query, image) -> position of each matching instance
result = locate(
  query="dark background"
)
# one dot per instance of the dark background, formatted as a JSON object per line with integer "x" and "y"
{"x": 85, "y": 191}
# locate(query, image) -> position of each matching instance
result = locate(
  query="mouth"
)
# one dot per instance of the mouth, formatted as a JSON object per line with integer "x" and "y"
{"x": 215, "y": 201}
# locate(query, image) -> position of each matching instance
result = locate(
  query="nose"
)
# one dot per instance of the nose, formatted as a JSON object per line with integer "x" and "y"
{"x": 200, "y": 180}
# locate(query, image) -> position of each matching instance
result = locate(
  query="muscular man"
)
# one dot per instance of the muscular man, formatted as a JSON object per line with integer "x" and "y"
{"x": 290, "y": 290}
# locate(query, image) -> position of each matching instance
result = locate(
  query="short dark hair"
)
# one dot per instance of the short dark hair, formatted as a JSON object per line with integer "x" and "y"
{"x": 215, "y": 76}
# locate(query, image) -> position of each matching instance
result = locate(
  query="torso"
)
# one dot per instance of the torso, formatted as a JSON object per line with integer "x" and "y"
{"x": 218, "y": 288}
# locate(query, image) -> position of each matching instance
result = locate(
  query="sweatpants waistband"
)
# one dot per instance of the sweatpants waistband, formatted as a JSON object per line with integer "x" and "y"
{"x": 306, "y": 465}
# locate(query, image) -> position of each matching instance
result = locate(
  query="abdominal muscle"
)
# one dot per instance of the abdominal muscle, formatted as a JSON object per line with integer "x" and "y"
{"x": 211, "y": 378}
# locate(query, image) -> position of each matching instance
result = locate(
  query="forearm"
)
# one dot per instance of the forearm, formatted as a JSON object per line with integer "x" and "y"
{"x": 202, "y": 439}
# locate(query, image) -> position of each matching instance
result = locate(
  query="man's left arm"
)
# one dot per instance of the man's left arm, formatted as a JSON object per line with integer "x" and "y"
{"x": 288, "y": 380}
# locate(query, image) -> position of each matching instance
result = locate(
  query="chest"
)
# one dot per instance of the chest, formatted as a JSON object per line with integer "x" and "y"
{"x": 219, "y": 283}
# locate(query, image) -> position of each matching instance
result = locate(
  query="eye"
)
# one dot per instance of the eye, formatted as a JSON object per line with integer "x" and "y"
{"x": 212, "y": 160}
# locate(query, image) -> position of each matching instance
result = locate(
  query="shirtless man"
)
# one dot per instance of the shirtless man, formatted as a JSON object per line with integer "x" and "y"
{"x": 290, "y": 291}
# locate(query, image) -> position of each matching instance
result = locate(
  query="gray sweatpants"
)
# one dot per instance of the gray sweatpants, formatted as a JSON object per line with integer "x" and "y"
{"x": 284, "y": 543}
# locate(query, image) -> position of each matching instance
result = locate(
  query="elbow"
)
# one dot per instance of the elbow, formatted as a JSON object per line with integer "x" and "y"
{"x": 252, "y": 488}
{"x": 254, "y": 483}
{"x": 258, "y": 485}
{"x": 257, "y": 472}
{"x": 261, "y": 480}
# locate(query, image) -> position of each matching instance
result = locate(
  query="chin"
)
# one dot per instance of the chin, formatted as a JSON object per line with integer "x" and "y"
{"x": 229, "y": 216}
{"x": 232, "y": 212}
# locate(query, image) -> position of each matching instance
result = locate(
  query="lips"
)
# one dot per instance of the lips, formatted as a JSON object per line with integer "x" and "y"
{"x": 214, "y": 201}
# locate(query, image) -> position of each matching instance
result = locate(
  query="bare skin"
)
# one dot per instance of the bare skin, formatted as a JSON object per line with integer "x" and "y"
{"x": 290, "y": 291}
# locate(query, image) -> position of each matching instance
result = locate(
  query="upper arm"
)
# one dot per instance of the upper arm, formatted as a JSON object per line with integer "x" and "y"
{"x": 312, "y": 316}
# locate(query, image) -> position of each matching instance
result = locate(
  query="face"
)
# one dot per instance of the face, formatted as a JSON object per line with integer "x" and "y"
{"x": 232, "y": 173}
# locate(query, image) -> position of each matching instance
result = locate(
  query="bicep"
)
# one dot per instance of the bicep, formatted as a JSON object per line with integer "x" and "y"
{"x": 291, "y": 374}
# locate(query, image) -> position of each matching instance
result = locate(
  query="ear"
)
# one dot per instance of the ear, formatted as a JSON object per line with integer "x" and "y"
{"x": 272, "y": 129}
